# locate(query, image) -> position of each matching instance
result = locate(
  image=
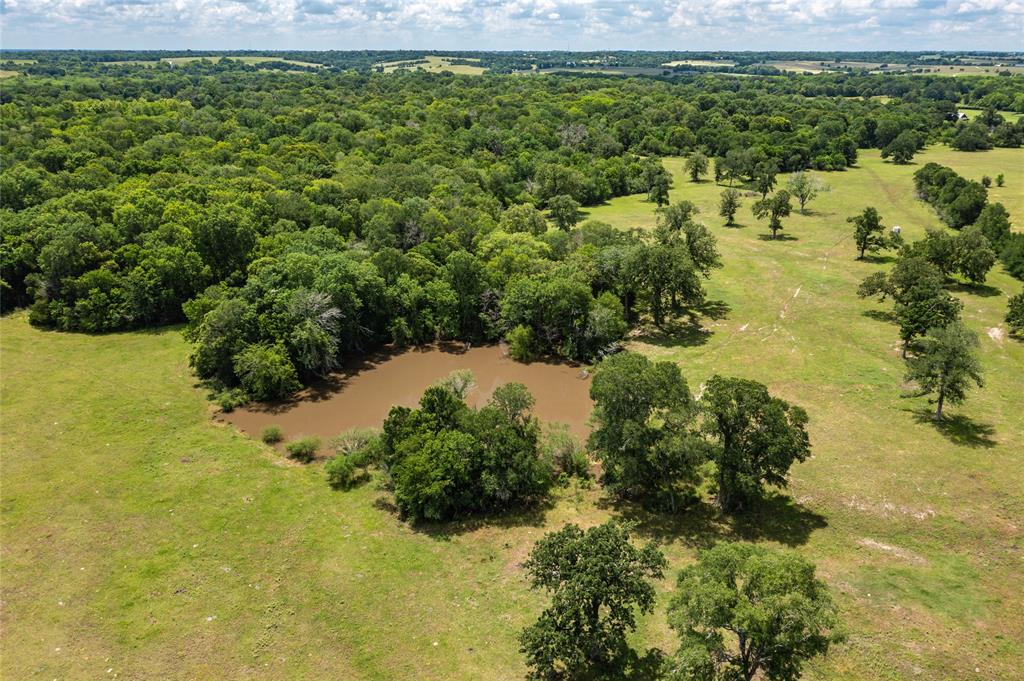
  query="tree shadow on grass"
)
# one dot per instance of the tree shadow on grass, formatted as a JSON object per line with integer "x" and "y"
{"x": 959, "y": 429}
{"x": 983, "y": 290}
{"x": 681, "y": 331}
{"x": 878, "y": 259}
{"x": 780, "y": 237}
{"x": 774, "y": 517}
{"x": 880, "y": 315}
{"x": 685, "y": 329}
{"x": 525, "y": 516}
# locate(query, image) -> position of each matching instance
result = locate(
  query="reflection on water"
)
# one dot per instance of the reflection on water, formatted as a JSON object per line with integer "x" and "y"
{"x": 364, "y": 392}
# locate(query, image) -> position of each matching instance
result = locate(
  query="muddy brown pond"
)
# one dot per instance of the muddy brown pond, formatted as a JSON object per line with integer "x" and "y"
{"x": 363, "y": 393}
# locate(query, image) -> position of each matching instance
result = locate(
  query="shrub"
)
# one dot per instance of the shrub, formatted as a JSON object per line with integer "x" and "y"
{"x": 272, "y": 435}
{"x": 986, "y": 181}
{"x": 565, "y": 453}
{"x": 355, "y": 450}
{"x": 229, "y": 400}
{"x": 1000, "y": 180}
{"x": 341, "y": 471}
{"x": 303, "y": 449}
{"x": 522, "y": 344}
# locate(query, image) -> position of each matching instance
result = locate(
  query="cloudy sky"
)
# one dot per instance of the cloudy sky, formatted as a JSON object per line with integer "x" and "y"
{"x": 514, "y": 24}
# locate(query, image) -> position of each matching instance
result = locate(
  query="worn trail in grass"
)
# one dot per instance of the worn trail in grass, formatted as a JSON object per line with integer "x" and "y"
{"x": 139, "y": 537}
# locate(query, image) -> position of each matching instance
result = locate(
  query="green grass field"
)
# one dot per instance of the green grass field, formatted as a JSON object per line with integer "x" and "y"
{"x": 436, "y": 64}
{"x": 141, "y": 538}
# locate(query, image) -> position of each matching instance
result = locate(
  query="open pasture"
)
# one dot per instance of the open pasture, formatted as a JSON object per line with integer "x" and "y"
{"x": 142, "y": 539}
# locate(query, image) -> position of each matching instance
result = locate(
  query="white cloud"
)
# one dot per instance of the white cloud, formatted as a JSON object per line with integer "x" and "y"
{"x": 515, "y": 24}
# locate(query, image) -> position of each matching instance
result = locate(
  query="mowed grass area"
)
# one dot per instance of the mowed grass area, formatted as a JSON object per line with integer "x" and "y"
{"x": 140, "y": 537}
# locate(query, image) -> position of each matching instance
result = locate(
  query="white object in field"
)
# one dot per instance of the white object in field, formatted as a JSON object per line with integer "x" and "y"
{"x": 896, "y": 229}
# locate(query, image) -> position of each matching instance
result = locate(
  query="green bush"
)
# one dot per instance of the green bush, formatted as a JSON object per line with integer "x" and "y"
{"x": 565, "y": 453}
{"x": 272, "y": 435}
{"x": 522, "y": 344}
{"x": 341, "y": 471}
{"x": 229, "y": 400}
{"x": 303, "y": 449}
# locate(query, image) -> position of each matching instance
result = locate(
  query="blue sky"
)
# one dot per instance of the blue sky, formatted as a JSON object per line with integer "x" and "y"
{"x": 515, "y": 24}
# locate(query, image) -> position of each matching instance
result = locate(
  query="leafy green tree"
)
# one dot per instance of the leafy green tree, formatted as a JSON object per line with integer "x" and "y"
{"x": 774, "y": 209}
{"x": 758, "y": 437}
{"x": 869, "y": 233}
{"x": 994, "y": 223}
{"x": 696, "y": 166}
{"x": 523, "y": 218}
{"x": 974, "y": 255}
{"x": 1015, "y": 314}
{"x": 643, "y": 436}
{"x": 805, "y": 187}
{"x": 902, "y": 149}
{"x": 728, "y": 205}
{"x": 565, "y": 211}
{"x": 446, "y": 460}
{"x": 675, "y": 216}
{"x": 945, "y": 363}
{"x": 920, "y": 301}
{"x": 744, "y": 611}
{"x": 598, "y": 581}
{"x": 658, "y": 193}
{"x": 764, "y": 174}
{"x": 266, "y": 372}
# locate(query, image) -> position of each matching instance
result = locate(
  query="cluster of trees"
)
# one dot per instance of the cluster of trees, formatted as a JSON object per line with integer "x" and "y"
{"x": 939, "y": 350}
{"x": 987, "y": 130}
{"x": 126, "y": 193}
{"x": 446, "y": 459}
{"x": 311, "y": 298}
{"x": 741, "y": 611}
{"x": 963, "y": 203}
{"x": 652, "y": 436}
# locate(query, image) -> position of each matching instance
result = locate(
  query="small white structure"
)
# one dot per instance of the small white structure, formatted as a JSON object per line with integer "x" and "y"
{"x": 896, "y": 229}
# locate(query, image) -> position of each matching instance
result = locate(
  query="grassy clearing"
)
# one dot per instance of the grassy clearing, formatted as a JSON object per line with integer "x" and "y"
{"x": 699, "y": 62}
{"x": 8, "y": 74}
{"x": 436, "y": 64}
{"x": 973, "y": 112}
{"x": 138, "y": 536}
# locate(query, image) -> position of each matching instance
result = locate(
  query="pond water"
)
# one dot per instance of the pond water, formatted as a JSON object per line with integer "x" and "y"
{"x": 363, "y": 393}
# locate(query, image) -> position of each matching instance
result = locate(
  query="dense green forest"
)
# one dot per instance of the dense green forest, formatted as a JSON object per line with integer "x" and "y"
{"x": 295, "y": 219}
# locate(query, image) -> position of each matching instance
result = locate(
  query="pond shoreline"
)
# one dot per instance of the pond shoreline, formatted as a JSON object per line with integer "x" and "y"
{"x": 362, "y": 392}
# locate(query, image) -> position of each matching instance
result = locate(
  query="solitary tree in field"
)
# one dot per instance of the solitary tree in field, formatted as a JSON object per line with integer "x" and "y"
{"x": 764, "y": 177}
{"x": 774, "y": 209}
{"x": 805, "y": 187}
{"x": 565, "y": 211}
{"x": 945, "y": 363}
{"x": 1015, "y": 314}
{"x": 728, "y": 205}
{"x": 758, "y": 438}
{"x": 869, "y": 233}
{"x": 696, "y": 166}
{"x": 598, "y": 581}
{"x": 745, "y": 611}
